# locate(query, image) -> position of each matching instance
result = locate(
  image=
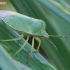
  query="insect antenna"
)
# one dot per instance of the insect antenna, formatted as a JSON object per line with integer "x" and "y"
{"x": 58, "y": 36}
{"x": 55, "y": 36}
{"x": 51, "y": 43}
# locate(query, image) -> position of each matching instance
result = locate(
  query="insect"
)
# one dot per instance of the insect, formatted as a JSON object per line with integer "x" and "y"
{"x": 27, "y": 26}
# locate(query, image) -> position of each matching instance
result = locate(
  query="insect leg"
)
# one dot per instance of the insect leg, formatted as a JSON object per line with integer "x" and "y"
{"x": 38, "y": 39}
{"x": 19, "y": 38}
{"x": 31, "y": 50}
{"x": 22, "y": 46}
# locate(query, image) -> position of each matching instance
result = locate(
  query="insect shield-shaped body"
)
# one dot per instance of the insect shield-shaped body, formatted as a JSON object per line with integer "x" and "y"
{"x": 24, "y": 24}
{"x": 27, "y": 26}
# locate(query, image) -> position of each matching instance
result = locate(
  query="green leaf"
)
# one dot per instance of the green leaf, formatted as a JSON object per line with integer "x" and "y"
{"x": 7, "y": 63}
{"x": 57, "y": 23}
{"x": 37, "y": 62}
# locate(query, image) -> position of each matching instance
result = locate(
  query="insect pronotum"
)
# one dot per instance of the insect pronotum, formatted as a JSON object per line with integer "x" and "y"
{"x": 27, "y": 26}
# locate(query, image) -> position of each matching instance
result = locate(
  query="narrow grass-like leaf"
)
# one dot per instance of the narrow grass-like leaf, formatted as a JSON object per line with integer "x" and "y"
{"x": 37, "y": 62}
{"x": 54, "y": 8}
{"x": 48, "y": 12}
{"x": 6, "y": 62}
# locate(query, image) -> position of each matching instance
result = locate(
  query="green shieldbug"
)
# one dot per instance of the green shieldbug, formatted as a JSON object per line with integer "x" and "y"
{"x": 27, "y": 26}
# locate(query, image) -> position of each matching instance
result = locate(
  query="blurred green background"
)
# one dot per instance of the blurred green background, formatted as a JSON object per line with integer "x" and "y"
{"x": 56, "y": 14}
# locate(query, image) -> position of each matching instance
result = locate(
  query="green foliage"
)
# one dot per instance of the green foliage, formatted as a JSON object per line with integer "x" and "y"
{"x": 36, "y": 61}
{"x": 56, "y": 14}
{"x": 7, "y": 63}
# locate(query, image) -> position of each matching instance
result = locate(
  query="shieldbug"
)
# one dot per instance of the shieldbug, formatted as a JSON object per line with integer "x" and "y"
{"x": 27, "y": 26}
